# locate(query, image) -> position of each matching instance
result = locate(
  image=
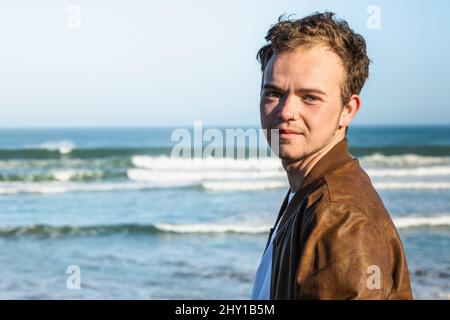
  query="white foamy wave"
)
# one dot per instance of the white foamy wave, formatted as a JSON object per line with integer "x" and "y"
{"x": 212, "y": 228}
{"x": 7, "y": 188}
{"x": 63, "y": 146}
{"x": 56, "y": 187}
{"x": 443, "y": 295}
{"x": 406, "y": 160}
{"x": 8, "y": 191}
{"x": 409, "y": 222}
{"x": 198, "y": 176}
{"x": 403, "y": 222}
{"x": 64, "y": 175}
{"x": 210, "y": 163}
{"x": 412, "y": 185}
{"x": 32, "y": 188}
{"x": 216, "y": 174}
{"x": 67, "y": 175}
{"x": 414, "y": 172}
{"x": 243, "y": 185}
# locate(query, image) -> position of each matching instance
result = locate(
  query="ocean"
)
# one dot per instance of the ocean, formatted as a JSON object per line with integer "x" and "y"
{"x": 109, "y": 214}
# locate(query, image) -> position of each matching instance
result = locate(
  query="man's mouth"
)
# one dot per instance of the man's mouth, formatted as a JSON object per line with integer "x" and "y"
{"x": 287, "y": 133}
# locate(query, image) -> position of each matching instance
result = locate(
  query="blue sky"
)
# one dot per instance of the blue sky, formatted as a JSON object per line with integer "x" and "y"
{"x": 164, "y": 63}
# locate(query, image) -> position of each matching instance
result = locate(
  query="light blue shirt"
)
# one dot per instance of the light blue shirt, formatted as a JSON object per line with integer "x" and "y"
{"x": 261, "y": 285}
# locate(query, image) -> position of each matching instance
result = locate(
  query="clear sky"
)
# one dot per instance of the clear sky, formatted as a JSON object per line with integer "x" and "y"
{"x": 171, "y": 62}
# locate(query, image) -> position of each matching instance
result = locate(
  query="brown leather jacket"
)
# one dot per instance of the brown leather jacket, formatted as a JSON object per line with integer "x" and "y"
{"x": 336, "y": 239}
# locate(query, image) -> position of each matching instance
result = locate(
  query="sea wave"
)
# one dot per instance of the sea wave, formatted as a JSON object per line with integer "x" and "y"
{"x": 383, "y": 155}
{"x": 8, "y": 188}
{"x": 95, "y": 230}
{"x": 34, "y": 152}
{"x": 208, "y": 163}
{"x": 64, "y": 163}
{"x": 62, "y": 146}
{"x": 55, "y": 187}
{"x": 243, "y": 185}
{"x": 417, "y": 221}
{"x": 406, "y": 222}
{"x": 418, "y": 185}
{"x": 212, "y": 228}
{"x": 410, "y": 172}
{"x": 58, "y": 175}
{"x": 405, "y": 160}
{"x": 181, "y": 175}
{"x": 410, "y": 163}
{"x": 401, "y": 150}
{"x": 407, "y": 165}
{"x": 212, "y": 174}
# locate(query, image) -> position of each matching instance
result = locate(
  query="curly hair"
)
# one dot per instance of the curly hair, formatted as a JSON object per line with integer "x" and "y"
{"x": 321, "y": 28}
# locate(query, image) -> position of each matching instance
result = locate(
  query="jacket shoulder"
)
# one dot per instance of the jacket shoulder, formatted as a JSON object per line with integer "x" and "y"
{"x": 351, "y": 186}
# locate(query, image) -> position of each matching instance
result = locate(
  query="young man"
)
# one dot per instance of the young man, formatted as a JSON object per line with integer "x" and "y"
{"x": 333, "y": 238}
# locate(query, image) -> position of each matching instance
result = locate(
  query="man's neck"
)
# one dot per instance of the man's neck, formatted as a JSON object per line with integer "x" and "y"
{"x": 297, "y": 171}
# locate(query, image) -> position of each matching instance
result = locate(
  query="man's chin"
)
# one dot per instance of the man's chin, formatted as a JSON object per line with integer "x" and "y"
{"x": 290, "y": 157}
{"x": 289, "y": 152}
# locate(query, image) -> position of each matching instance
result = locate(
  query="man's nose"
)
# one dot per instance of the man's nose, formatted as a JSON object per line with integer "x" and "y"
{"x": 288, "y": 109}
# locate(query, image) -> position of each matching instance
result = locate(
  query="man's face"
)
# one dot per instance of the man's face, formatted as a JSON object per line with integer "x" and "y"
{"x": 305, "y": 83}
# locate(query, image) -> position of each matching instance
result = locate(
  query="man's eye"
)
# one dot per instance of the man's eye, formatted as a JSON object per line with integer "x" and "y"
{"x": 311, "y": 98}
{"x": 272, "y": 94}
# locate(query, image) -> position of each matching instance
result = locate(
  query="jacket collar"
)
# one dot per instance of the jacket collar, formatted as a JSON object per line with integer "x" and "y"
{"x": 337, "y": 156}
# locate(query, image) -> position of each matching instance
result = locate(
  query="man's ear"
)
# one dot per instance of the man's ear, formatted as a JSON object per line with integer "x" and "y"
{"x": 350, "y": 110}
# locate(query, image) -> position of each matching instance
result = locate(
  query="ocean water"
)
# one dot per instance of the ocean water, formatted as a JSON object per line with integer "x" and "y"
{"x": 139, "y": 224}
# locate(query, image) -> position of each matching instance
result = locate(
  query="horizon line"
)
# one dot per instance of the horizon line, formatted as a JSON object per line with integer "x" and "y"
{"x": 247, "y": 125}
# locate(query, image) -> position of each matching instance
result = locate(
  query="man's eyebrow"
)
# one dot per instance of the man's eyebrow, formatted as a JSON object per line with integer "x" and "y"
{"x": 300, "y": 90}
